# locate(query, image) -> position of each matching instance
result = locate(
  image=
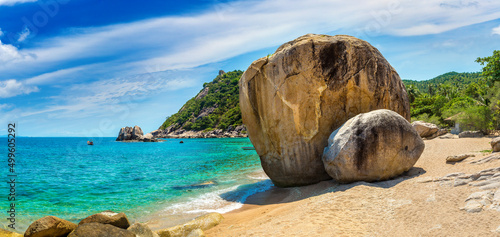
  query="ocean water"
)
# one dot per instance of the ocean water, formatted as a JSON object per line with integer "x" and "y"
{"x": 157, "y": 182}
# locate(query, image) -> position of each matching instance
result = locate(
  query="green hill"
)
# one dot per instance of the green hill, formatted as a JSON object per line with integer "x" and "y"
{"x": 216, "y": 106}
{"x": 452, "y": 78}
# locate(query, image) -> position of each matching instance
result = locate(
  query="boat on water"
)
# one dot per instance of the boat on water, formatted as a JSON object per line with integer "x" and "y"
{"x": 90, "y": 143}
{"x": 248, "y": 148}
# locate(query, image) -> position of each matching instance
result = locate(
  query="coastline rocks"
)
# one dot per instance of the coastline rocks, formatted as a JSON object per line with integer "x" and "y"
{"x": 372, "y": 146}
{"x": 294, "y": 99}
{"x": 108, "y": 217}
{"x": 170, "y": 132}
{"x": 495, "y": 144}
{"x": 99, "y": 230}
{"x": 50, "y": 226}
{"x": 466, "y": 134}
{"x": 141, "y": 230}
{"x": 194, "y": 227}
{"x": 425, "y": 129}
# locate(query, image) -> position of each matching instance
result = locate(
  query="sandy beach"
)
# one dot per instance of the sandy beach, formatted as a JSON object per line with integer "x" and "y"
{"x": 419, "y": 203}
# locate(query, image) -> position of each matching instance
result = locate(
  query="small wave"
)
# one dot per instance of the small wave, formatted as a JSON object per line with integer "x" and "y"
{"x": 221, "y": 201}
{"x": 258, "y": 175}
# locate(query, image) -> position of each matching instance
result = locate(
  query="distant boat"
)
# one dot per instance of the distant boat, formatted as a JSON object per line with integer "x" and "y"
{"x": 181, "y": 142}
{"x": 91, "y": 143}
{"x": 248, "y": 148}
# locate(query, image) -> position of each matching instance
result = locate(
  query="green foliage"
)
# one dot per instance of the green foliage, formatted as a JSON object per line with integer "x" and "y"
{"x": 218, "y": 109}
{"x": 468, "y": 98}
{"x": 491, "y": 71}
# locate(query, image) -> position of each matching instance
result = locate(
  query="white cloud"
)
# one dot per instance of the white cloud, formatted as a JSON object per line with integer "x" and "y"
{"x": 232, "y": 29}
{"x": 5, "y": 106}
{"x": 13, "y": 2}
{"x": 496, "y": 31}
{"x": 10, "y": 54}
{"x": 24, "y": 35}
{"x": 112, "y": 94}
{"x": 56, "y": 76}
{"x": 10, "y": 88}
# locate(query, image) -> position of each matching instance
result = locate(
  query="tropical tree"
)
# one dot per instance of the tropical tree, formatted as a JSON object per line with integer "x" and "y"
{"x": 491, "y": 71}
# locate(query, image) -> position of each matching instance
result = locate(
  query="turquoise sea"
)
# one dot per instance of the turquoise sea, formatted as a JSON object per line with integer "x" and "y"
{"x": 65, "y": 177}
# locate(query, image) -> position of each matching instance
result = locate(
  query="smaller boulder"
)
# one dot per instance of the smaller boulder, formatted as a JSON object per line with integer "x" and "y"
{"x": 100, "y": 230}
{"x": 466, "y": 134}
{"x": 495, "y": 144}
{"x": 372, "y": 146}
{"x": 108, "y": 217}
{"x": 425, "y": 129}
{"x": 50, "y": 226}
{"x": 141, "y": 230}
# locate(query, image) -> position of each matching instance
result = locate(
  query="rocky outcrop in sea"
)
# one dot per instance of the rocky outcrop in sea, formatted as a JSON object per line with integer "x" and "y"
{"x": 134, "y": 134}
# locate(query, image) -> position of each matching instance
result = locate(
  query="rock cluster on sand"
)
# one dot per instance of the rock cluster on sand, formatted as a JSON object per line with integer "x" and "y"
{"x": 134, "y": 134}
{"x": 372, "y": 146}
{"x": 488, "y": 183}
{"x": 428, "y": 130}
{"x": 466, "y": 134}
{"x": 294, "y": 99}
{"x": 109, "y": 223}
{"x": 495, "y": 144}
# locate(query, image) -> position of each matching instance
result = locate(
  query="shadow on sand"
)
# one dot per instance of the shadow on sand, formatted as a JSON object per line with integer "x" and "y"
{"x": 277, "y": 195}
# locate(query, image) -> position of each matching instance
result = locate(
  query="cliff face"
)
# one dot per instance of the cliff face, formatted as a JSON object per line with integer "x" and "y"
{"x": 213, "y": 112}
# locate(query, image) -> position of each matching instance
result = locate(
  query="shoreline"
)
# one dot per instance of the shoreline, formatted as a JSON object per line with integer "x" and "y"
{"x": 406, "y": 206}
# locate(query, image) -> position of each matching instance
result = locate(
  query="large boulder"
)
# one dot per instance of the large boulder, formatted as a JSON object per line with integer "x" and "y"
{"x": 372, "y": 146}
{"x": 49, "y": 226}
{"x": 495, "y": 144}
{"x": 425, "y": 129}
{"x": 119, "y": 220}
{"x": 100, "y": 230}
{"x": 294, "y": 99}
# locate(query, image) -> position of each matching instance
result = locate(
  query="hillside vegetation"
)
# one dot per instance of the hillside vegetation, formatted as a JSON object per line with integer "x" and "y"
{"x": 215, "y": 107}
{"x": 472, "y": 99}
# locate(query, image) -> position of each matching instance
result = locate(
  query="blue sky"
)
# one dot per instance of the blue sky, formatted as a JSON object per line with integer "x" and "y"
{"x": 88, "y": 67}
